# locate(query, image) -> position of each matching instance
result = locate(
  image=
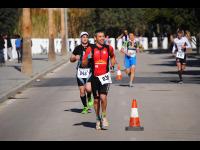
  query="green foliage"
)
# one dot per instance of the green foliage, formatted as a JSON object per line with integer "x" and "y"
{"x": 8, "y": 19}
{"x": 113, "y": 20}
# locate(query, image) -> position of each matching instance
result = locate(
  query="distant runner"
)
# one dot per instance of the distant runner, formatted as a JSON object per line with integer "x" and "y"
{"x": 181, "y": 43}
{"x": 130, "y": 48}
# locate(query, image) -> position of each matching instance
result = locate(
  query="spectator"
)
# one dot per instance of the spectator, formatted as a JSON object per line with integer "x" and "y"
{"x": 124, "y": 36}
{"x": 18, "y": 44}
{"x": 9, "y": 48}
{"x": 2, "y": 59}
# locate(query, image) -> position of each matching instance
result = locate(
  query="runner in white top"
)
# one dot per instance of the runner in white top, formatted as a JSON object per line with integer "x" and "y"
{"x": 181, "y": 43}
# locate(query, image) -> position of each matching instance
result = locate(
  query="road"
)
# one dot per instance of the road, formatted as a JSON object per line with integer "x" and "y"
{"x": 50, "y": 109}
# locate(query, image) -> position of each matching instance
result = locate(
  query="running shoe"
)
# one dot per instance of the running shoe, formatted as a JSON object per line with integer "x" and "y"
{"x": 98, "y": 125}
{"x": 105, "y": 122}
{"x": 180, "y": 82}
{"x": 130, "y": 84}
{"x": 90, "y": 103}
{"x": 85, "y": 110}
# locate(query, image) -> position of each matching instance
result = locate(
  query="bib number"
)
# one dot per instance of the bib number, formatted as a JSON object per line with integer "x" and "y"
{"x": 83, "y": 73}
{"x": 105, "y": 78}
{"x": 180, "y": 54}
{"x": 132, "y": 53}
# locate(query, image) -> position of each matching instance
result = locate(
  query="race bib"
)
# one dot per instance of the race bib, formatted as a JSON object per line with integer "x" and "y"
{"x": 83, "y": 72}
{"x": 105, "y": 78}
{"x": 131, "y": 52}
{"x": 180, "y": 54}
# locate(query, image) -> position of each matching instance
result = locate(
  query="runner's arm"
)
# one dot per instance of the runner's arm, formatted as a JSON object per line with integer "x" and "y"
{"x": 85, "y": 56}
{"x": 123, "y": 49}
{"x": 174, "y": 48}
{"x": 75, "y": 55}
{"x": 74, "y": 58}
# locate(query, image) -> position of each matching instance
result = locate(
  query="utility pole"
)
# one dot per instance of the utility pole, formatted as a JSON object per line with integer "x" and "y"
{"x": 26, "y": 47}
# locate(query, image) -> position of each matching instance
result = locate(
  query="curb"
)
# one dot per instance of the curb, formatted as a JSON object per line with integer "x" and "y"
{"x": 22, "y": 86}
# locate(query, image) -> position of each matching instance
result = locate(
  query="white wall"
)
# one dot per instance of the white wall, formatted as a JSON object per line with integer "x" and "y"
{"x": 165, "y": 43}
{"x": 154, "y": 42}
{"x": 41, "y": 46}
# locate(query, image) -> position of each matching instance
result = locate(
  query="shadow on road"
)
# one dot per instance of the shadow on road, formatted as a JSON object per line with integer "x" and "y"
{"x": 158, "y": 51}
{"x": 53, "y": 82}
{"x": 86, "y": 124}
{"x": 124, "y": 85}
{"x": 187, "y": 72}
{"x": 44, "y": 59}
{"x": 76, "y": 110}
{"x": 160, "y": 80}
{"x": 71, "y": 81}
{"x": 17, "y": 67}
{"x": 190, "y": 63}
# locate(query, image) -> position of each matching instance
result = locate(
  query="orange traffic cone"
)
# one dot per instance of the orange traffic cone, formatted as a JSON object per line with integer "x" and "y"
{"x": 119, "y": 73}
{"x": 134, "y": 124}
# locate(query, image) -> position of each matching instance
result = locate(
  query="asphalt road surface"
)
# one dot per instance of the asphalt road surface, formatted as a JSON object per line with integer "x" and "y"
{"x": 50, "y": 109}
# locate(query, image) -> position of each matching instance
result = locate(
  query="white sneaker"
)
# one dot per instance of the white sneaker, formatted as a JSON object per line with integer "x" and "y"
{"x": 105, "y": 122}
{"x": 98, "y": 125}
{"x": 130, "y": 84}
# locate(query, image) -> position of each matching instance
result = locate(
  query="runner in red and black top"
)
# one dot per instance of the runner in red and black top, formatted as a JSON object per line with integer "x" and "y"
{"x": 100, "y": 55}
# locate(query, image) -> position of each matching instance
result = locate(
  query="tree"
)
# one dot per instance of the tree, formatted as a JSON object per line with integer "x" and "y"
{"x": 27, "y": 54}
{"x": 51, "y": 54}
{"x": 63, "y": 34}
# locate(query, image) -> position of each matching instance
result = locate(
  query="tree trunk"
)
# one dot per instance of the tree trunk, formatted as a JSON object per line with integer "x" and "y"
{"x": 63, "y": 34}
{"x": 27, "y": 54}
{"x": 51, "y": 54}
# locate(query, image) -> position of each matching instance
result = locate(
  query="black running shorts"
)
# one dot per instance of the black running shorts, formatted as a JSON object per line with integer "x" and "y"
{"x": 83, "y": 81}
{"x": 182, "y": 61}
{"x": 98, "y": 88}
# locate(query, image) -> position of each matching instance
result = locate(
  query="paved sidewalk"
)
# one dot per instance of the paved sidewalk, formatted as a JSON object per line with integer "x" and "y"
{"x": 12, "y": 79}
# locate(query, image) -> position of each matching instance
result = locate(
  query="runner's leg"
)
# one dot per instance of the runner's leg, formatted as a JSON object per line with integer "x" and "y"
{"x": 104, "y": 106}
{"x": 83, "y": 95}
{"x": 95, "y": 92}
{"x": 89, "y": 95}
{"x": 88, "y": 87}
{"x": 178, "y": 63}
{"x": 103, "y": 98}
{"x": 132, "y": 77}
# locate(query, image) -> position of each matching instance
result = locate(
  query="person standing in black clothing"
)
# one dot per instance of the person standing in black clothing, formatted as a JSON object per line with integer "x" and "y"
{"x": 2, "y": 42}
{"x": 9, "y": 48}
